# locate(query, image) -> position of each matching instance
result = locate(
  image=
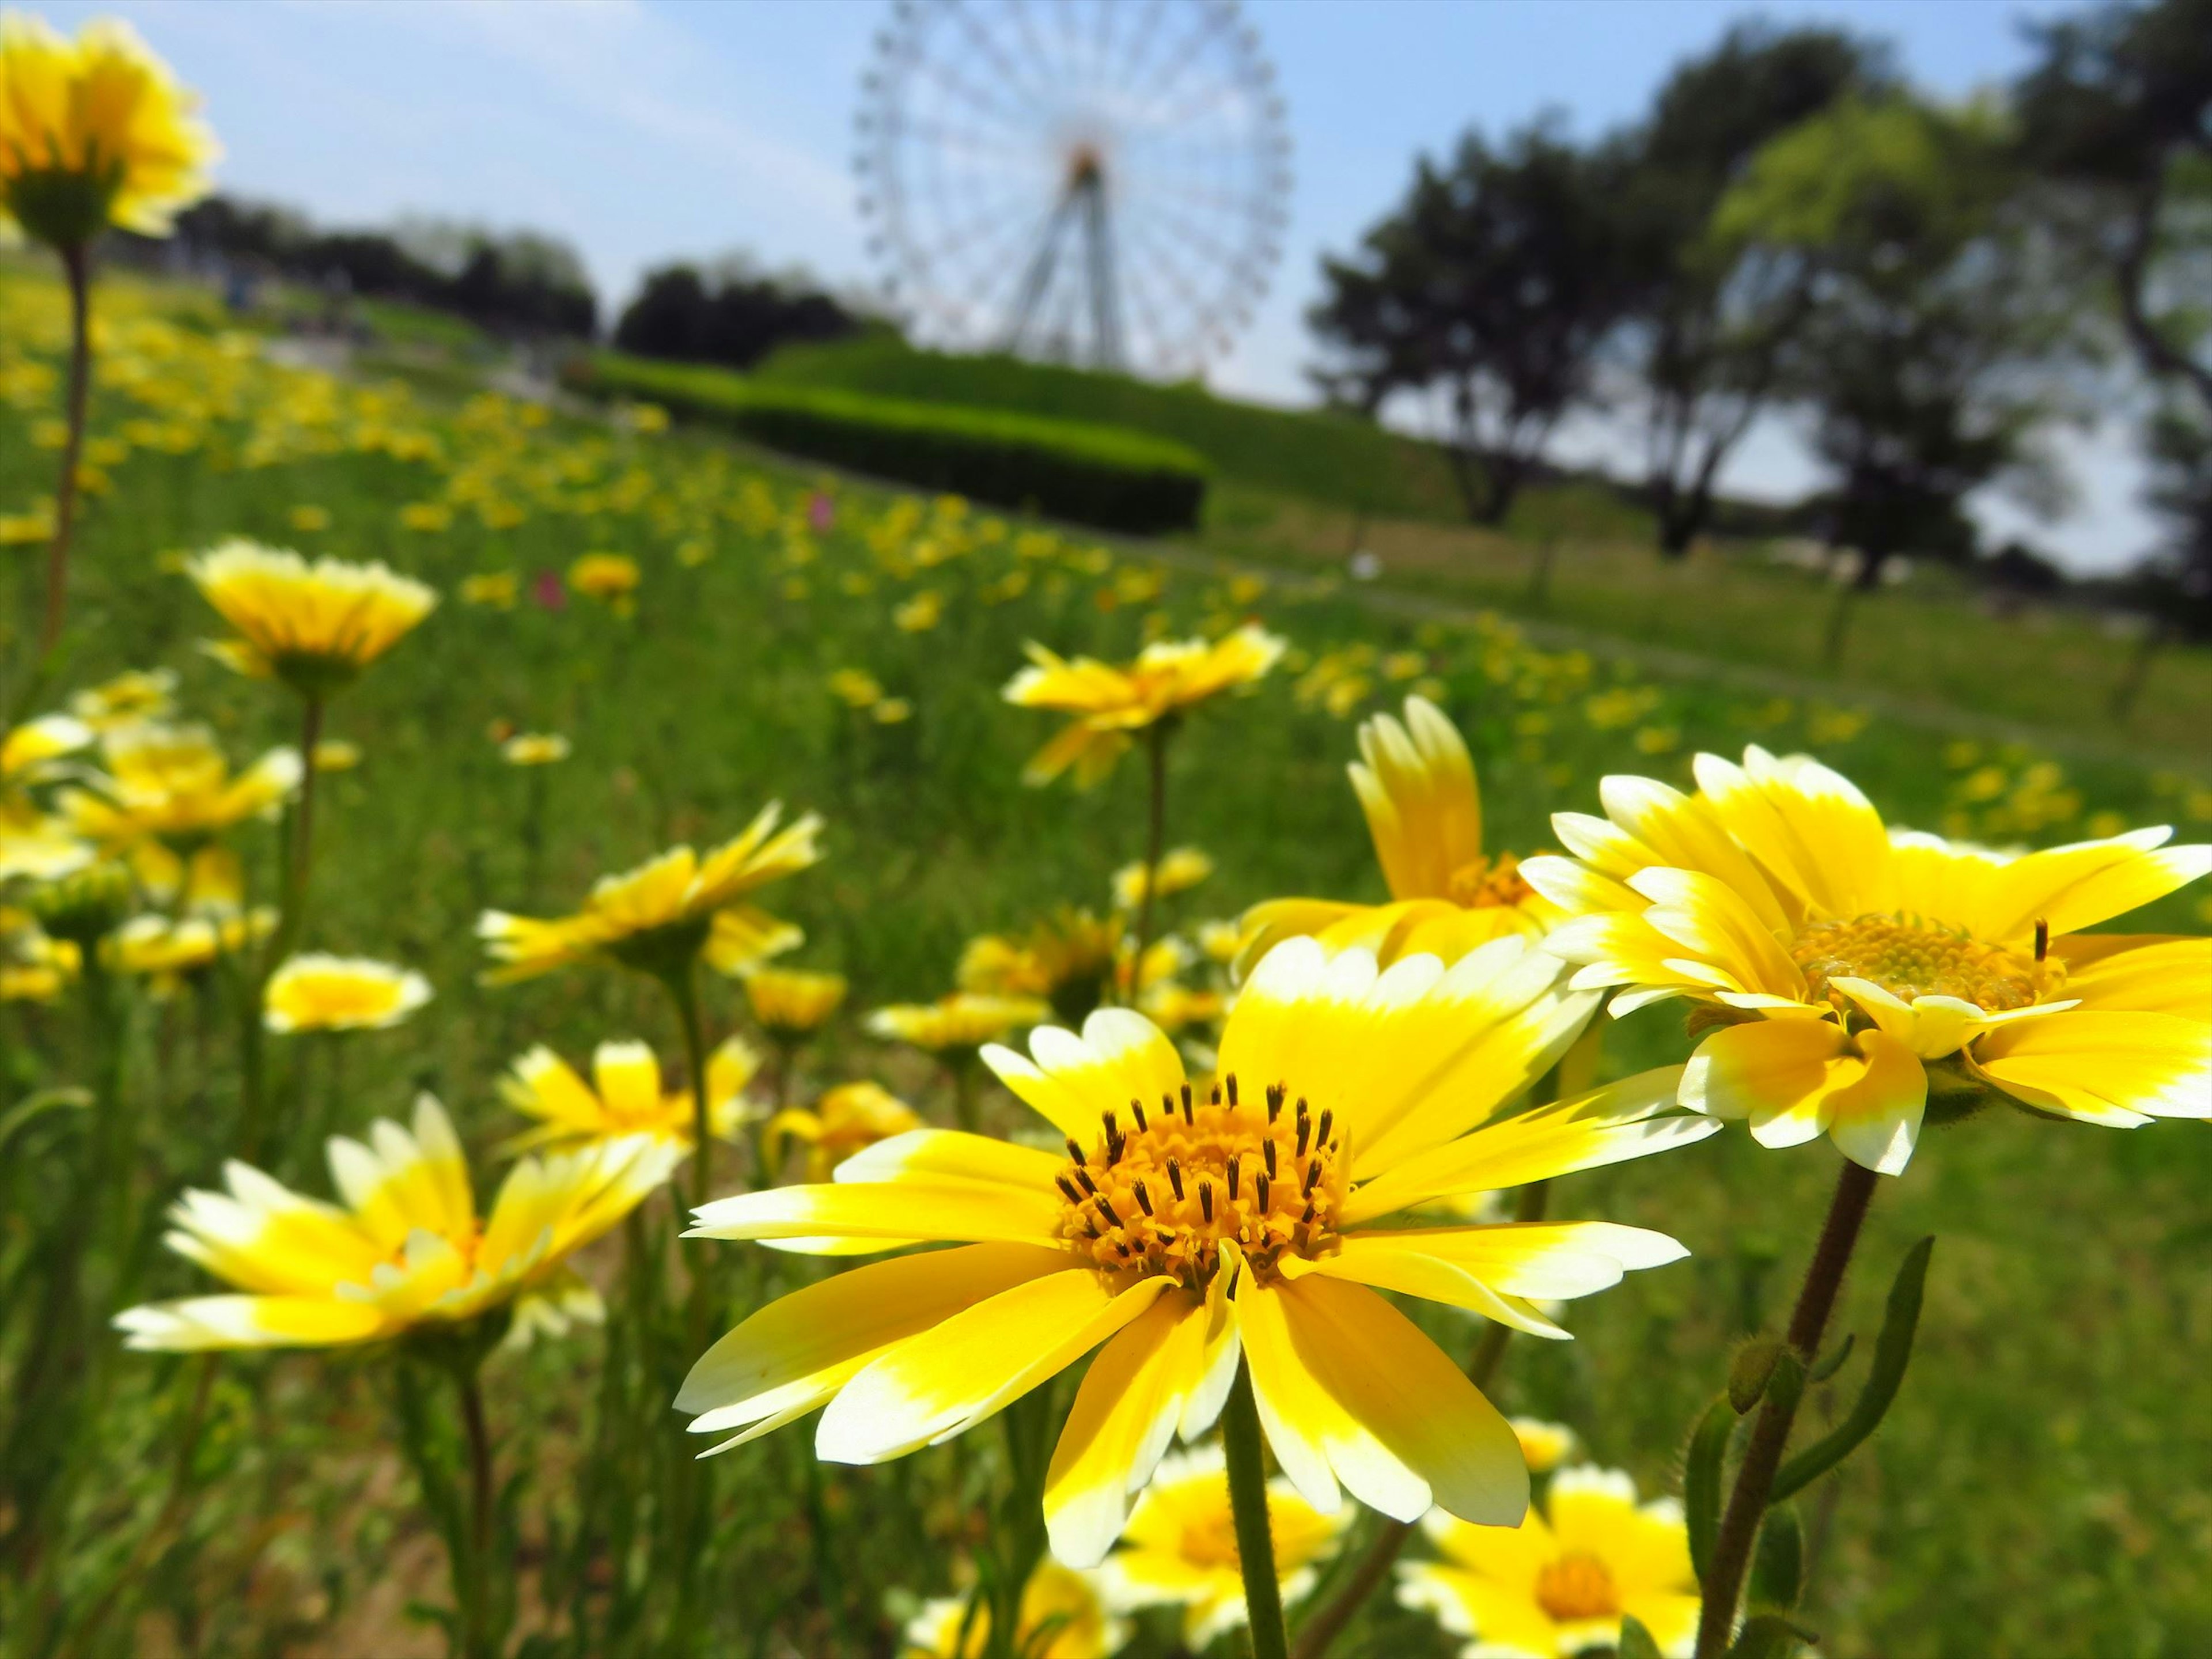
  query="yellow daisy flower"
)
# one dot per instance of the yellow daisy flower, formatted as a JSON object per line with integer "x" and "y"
{"x": 1559, "y": 1583}
{"x": 94, "y": 132}
{"x": 1179, "y": 1547}
{"x": 317, "y": 992}
{"x": 963, "y": 1022}
{"x": 497, "y": 589}
{"x": 1068, "y": 959}
{"x": 1543, "y": 1446}
{"x": 610, "y": 578}
{"x": 1845, "y": 956}
{"x": 1187, "y": 1226}
{"x": 1168, "y": 677}
{"x": 1181, "y": 868}
{"x": 29, "y": 751}
{"x": 33, "y": 844}
{"x": 1057, "y": 1600}
{"x": 173, "y": 785}
{"x": 406, "y": 1251}
{"x": 849, "y": 1117}
{"x": 314, "y": 626}
{"x": 534, "y": 749}
{"x": 129, "y": 699}
{"x": 667, "y": 910}
{"x": 625, "y": 1096}
{"x": 166, "y": 950}
{"x": 336, "y": 754}
{"x": 791, "y": 1003}
{"x": 1416, "y": 785}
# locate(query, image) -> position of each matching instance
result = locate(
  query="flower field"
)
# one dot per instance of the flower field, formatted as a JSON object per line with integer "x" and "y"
{"x": 640, "y": 638}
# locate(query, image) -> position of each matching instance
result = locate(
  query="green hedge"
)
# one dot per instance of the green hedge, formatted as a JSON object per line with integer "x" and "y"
{"x": 1105, "y": 476}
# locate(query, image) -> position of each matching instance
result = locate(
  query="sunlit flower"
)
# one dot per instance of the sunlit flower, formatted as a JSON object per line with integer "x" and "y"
{"x": 497, "y": 589}
{"x": 1181, "y": 868}
{"x": 963, "y": 1022}
{"x": 610, "y": 578}
{"x": 1179, "y": 1547}
{"x": 314, "y": 626}
{"x": 1186, "y": 1225}
{"x": 625, "y": 1096}
{"x": 1559, "y": 1583}
{"x": 1543, "y": 1446}
{"x": 1109, "y": 704}
{"x": 1844, "y": 957}
{"x": 407, "y": 1250}
{"x": 336, "y": 754}
{"x": 891, "y": 711}
{"x": 34, "y": 843}
{"x": 317, "y": 992}
{"x": 791, "y": 1003}
{"x": 94, "y": 132}
{"x": 173, "y": 785}
{"x": 847, "y": 1118}
{"x": 1062, "y": 1617}
{"x": 167, "y": 951}
{"x": 534, "y": 749}
{"x": 33, "y": 967}
{"x": 131, "y": 698}
{"x": 667, "y": 910}
{"x": 1068, "y": 959}
{"x": 1176, "y": 1007}
{"x": 920, "y": 613}
{"x": 856, "y": 688}
{"x": 1416, "y": 785}
{"x": 29, "y": 751}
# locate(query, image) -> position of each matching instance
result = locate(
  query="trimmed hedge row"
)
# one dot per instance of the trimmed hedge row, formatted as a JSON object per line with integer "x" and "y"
{"x": 1105, "y": 476}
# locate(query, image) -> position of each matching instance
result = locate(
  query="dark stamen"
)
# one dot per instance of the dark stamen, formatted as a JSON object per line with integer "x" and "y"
{"x": 1175, "y": 1176}
{"x": 1075, "y": 1151}
{"x": 1089, "y": 1185}
{"x": 1313, "y": 1175}
{"x": 1260, "y": 1192}
{"x": 1068, "y": 1188}
{"x": 1092, "y": 1228}
{"x": 1106, "y": 1209}
{"x": 2042, "y": 938}
{"x": 1267, "y": 1150}
{"x": 1234, "y": 1164}
{"x": 1205, "y": 1199}
{"x": 1328, "y": 1117}
{"x": 1143, "y": 1198}
{"x": 1275, "y": 1101}
{"x": 1137, "y": 1111}
{"x": 1232, "y": 1091}
{"x": 1186, "y": 1100}
{"x": 1305, "y": 1128}
{"x": 1214, "y": 1099}
{"x": 1122, "y": 1246}
{"x": 1306, "y": 1218}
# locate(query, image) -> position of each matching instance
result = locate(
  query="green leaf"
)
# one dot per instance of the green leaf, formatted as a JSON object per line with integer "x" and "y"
{"x": 1770, "y": 1636}
{"x": 1827, "y": 1368}
{"x": 1778, "y": 1571}
{"x": 1636, "y": 1642}
{"x": 1748, "y": 1375}
{"x": 1701, "y": 1481}
{"x": 1892, "y": 1350}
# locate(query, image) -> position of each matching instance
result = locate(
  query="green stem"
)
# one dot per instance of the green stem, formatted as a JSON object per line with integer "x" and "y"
{"x": 1247, "y": 1501}
{"x": 1156, "y": 756}
{"x": 1328, "y": 1621}
{"x": 962, "y": 1071}
{"x": 1770, "y": 1431}
{"x": 76, "y": 267}
{"x": 299, "y": 858}
{"x": 476, "y": 1598}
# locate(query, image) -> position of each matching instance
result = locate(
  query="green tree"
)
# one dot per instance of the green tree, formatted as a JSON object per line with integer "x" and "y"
{"x": 1492, "y": 285}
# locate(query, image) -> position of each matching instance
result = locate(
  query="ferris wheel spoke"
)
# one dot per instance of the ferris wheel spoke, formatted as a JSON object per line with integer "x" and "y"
{"x": 1178, "y": 63}
{"x": 1034, "y": 96}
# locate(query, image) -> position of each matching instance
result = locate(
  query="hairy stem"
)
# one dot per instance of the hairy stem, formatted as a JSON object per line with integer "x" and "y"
{"x": 77, "y": 266}
{"x": 1155, "y": 758}
{"x": 1770, "y": 1431}
{"x": 1248, "y": 1503}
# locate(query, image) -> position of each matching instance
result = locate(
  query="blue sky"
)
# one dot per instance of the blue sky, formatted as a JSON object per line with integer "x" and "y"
{"x": 640, "y": 130}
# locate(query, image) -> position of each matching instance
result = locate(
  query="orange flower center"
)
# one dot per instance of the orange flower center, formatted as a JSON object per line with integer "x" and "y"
{"x": 1211, "y": 1541}
{"x": 1160, "y": 1189}
{"x": 1577, "y": 1586}
{"x": 1489, "y": 883}
{"x": 1910, "y": 958}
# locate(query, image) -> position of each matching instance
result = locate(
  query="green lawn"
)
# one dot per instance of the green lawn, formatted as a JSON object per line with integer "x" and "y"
{"x": 2039, "y": 1487}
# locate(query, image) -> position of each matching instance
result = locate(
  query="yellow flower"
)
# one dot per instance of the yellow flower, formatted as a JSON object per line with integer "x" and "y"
{"x": 1167, "y": 678}
{"x": 33, "y": 967}
{"x": 29, "y": 751}
{"x": 314, "y": 626}
{"x": 534, "y": 749}
{"x": 1559, "y": 1583}
{"x": 847, "y": 1118}
{"x": 610, "y": 578}
{"x": 791, "y": 1002}
{"x": 94, "y": 132}
{"x": 964, "y": 1021}
{"x": 1182, "y": 1545}
{"x": 309, "y": 520}
{"x": 666, "y": 911}
{"x": 856, "y": 688}
{"x": 1845, "y": 956}
{"x": 1181, "y": 868}
{"x": 1174, "y": 1008}
{"x": 316, "y": 992}
{"x": 1543, "y": 1446}
{"x": 495, "y": 588}
{"x": 129, "y": 699}
{"x": 428, "y": 517}
{"x": 625, "y": 1096}
{"x": 406, "y": 1251}
{"x": 1186, "y": 1226}
{"x": 891, "y": 711}
{"x": 920, "y": 613}
{"x": 1068, "y": 959}
{"x": 173, "y": 785}
{"x": 336, "y": 754}
{"x": 1416, "y": 785}
{"x": 1057, "y": 1600}
{"x": 167, "y": 951}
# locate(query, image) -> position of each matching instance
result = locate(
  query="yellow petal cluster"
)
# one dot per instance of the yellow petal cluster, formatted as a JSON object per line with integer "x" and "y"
{"x": 405, "y": 1250}
{"x": 964, "y": 1021}
{"x": 94, "y": 131}
{"x": 792, "y": 1002}
{"x": 1063, "y": 1616}
{"x": 1844, "y": 958}
{"x": 314, "y": 626}
{"x": 625, "y": 1096}
{"x": 317, "y": 992}
{"x": 847, "y": 1118}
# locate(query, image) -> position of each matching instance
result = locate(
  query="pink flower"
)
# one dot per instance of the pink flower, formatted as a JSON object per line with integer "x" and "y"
{"x": 820, "y": 513}
{"x": 547, "y": 591}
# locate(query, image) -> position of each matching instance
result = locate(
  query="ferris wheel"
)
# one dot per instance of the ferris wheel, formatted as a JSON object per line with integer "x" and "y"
{"x": 1098, "y": 182}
